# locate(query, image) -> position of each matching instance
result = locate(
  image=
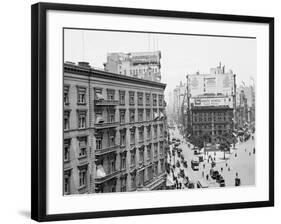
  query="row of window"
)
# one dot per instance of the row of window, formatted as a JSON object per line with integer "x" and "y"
{"x": 140, "y": 118}
{"x": 141, "y": 130}
{"x": 210, "y": 126}
{"x": 109, "y": 161}
{"x": 109, "y": 116}
{"x": 81, "y": 119}
{"x": 200, "y": 119}
{"x": 152, "y": 171}
{"x": 82, "y": 114}
{"x": 81, "y": 96}
{"x": 82, "y": 143}
{"x": 210, "y": 114}
{"x": 140, "y": 98}
{"x": 215, "y": 132}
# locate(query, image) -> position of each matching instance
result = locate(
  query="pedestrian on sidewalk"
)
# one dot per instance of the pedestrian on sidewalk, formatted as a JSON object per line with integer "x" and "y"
{"x": 203, "y": 165}
{"x": 221, "y": 169}
{"x": 202, "y": 173}
{"x": 228, "y": 168}
{"x": 207, "y": 176}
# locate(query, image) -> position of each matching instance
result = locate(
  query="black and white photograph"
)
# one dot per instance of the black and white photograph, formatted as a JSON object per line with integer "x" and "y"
{"x": 146, "y": 111}
{"x": 142, "y": 111}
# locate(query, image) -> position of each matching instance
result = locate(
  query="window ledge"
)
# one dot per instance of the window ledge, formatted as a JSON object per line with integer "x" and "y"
{"x": 81, "y": 103}
{"x": 82, "y": 187}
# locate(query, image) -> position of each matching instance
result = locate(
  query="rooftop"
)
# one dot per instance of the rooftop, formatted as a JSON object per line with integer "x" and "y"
{"x": 84, "y": 68}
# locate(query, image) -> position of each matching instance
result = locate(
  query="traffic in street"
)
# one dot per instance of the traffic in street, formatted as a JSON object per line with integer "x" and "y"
{"x": 193, "y": 168}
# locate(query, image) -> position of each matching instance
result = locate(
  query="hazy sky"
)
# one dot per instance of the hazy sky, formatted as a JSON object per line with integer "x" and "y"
{"x": 181, "y": 54}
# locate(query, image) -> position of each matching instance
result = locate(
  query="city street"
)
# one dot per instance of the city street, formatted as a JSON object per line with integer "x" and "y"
{"x": 240, "y": 161}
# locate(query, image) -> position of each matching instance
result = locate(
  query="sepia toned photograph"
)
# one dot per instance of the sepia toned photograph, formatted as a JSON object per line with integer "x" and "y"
{"x": 145, "y": 111}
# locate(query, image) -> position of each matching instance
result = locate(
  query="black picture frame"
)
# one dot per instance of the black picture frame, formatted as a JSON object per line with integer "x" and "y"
{"x": 39, "y": 108}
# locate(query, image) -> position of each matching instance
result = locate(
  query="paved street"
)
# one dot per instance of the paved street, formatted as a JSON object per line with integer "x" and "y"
{"x": 240, "y": 160}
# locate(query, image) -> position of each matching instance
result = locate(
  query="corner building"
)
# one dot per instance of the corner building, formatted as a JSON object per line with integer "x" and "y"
{"x": 211, "y": 103}
{"x": 114, "y": 132}
{"x": 212, "y": 120}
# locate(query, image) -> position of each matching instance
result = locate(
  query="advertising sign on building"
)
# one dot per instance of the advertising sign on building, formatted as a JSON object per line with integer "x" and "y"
{"x": 146, "y": 57}
{"x": 212, "y": 101}
{"x": 200, "y": 84}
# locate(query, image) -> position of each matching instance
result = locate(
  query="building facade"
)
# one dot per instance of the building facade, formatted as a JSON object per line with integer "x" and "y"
{"x": 245, "y": 110}
{"x": 143, "y": 65}
{"x": 211, "y": 120}
{"x": 114, "y": 132}
{"x": 179, "y": 99}
{"x": 211, "y": 104}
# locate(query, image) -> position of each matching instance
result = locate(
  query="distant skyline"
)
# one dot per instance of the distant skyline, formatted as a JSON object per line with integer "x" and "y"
{"x": 181, "y": 54}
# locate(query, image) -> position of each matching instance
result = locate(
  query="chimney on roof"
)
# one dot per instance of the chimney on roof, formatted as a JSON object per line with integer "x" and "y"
{"x": 70, "y": 63}
{"x": 84, "y": 64}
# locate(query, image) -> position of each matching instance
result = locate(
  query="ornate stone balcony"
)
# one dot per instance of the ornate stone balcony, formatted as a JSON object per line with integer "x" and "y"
{"x": 99, "y": 180}
{"x": 105, "y": 150}
{"x": 106, "y": 125}
{"x": 106, "y": 102}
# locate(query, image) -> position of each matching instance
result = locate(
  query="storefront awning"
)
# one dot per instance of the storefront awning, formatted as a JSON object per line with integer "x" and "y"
{"x": 100, "y": 120}
{"x": 100, "y": 171}
{"x": 99, "y": 96}
{"x": 156, "y": 115}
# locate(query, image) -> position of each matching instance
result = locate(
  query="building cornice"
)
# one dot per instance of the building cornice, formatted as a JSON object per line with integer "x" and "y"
{"x": 92, "y": 72}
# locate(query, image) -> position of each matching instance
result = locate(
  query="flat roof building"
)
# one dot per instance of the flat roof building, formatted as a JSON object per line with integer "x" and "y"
{"x": 114, "y": 132}
{"x": 143, "y": 65}
{"x": 212, "y": 103}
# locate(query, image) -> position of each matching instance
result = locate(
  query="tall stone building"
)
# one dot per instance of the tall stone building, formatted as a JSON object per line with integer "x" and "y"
{"x": 143, "y": 65}
{"x": 211, "y": 103}
{"x": 179, "y": 94}
{"x": 114, "y": 132}
{"x": 245, "y": 106}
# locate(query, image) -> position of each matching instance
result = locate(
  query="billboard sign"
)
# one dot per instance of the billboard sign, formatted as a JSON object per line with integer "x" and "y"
{"x": 212, "y": 101}
{"x": 200, "y": 84}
